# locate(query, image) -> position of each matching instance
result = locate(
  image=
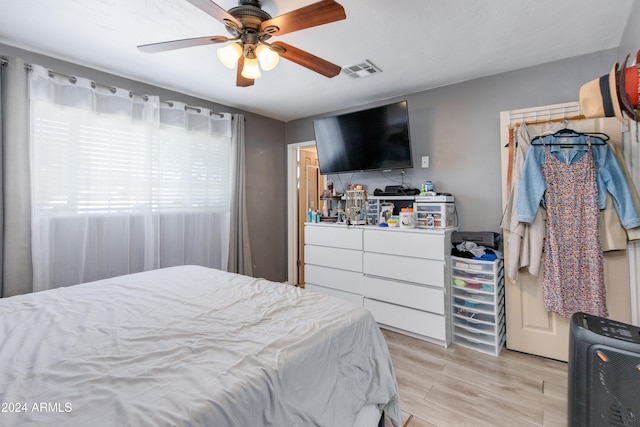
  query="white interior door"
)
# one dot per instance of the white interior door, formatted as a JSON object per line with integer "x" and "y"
{"x": 530, "y": 327}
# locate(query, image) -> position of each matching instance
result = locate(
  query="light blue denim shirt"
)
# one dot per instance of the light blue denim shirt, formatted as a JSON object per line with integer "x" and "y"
{"x": 610, "y": 178}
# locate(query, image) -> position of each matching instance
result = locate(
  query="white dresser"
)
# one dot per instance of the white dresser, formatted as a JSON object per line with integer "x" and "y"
{"x": 400, "y": 275}
{"x": 333, "y": 260}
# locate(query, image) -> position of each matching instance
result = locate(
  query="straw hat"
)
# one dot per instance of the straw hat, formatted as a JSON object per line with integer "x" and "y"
{"x": 628, "y": 87}
{"x": 599, "y": 97}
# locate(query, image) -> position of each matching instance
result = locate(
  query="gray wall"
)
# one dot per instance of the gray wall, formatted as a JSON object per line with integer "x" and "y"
{"x": 631, "y": 37}
{"x": 265, "y": 163}
{"x": 457, "y": 126}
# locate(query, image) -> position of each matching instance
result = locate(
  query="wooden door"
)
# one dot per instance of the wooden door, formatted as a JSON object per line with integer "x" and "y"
{"x": 309, "y": 185}
{"x": 530, "y": 327}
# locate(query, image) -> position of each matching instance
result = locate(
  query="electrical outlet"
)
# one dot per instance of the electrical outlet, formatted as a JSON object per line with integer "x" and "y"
{"x": 425, "y": 161}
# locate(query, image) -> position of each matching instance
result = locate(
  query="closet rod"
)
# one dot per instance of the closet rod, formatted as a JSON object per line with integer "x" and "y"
{"x": 29, "y": 67}
{"x": 540, "y": 122}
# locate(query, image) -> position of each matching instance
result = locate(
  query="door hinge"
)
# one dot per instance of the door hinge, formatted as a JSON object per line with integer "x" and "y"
{"x": 625, "y": 126}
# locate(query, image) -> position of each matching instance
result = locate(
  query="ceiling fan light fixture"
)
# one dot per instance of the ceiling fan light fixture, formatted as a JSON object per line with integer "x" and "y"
{"x": 251, "y": 70}
{"x": 229, "y": 55}
{"x": 268, "y": 58}
{"x": 251, "y": 27}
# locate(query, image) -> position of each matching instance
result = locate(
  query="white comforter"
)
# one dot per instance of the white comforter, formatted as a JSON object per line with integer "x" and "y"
{"x": 189, "y": 346}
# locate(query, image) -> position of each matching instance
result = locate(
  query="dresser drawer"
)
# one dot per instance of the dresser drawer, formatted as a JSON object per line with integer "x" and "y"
{"x": 414, "y": 296}
{"x": 416, "y": 270}
{"x": 342, "y": 280}
{"x": 334, "y": 236}
{"x": 419, "y": 244}
{"x": 343, "y": 259}
{"x": 354, "y": 299}
{"x": 408, "y": 319}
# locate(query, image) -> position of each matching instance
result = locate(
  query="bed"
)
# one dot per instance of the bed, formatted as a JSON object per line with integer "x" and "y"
{"x": 191, "y": 346}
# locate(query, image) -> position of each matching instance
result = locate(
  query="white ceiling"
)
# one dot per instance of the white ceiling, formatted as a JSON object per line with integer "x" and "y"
{"x": 418, "y": 44}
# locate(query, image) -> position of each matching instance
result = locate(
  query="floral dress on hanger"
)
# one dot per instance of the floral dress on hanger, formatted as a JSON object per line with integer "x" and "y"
{"x": 573, "y": 261}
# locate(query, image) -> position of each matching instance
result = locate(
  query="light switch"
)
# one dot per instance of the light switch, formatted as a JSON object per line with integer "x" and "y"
{"x": 425, "y": 161}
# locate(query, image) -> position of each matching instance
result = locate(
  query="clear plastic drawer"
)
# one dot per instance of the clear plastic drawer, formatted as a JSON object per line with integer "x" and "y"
{"x": 472, "y": 285}
{"x": 472, "y": 315}
{"x": 475, "y": 305}
{"x": 476, "y": 270}
{"x": 478, "y": 345}
{"x": 476, "y": 335}
{"x": 473, "y": 324}
{"x": 474, "y": 295}
{"x": 479, "y": 266}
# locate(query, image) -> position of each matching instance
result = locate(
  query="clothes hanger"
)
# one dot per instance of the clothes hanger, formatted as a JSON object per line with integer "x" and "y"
{"x": 599, "y": 137}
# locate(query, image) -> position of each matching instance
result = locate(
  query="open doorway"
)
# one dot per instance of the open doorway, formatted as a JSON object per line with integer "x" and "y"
{"x": 305, "y": 185}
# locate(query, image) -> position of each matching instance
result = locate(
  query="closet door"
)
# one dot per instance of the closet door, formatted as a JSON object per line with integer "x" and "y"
{"x": 530, "y": 327}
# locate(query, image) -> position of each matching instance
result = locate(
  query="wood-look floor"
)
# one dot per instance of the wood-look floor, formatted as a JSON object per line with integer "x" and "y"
{"x": 457, "y": 386}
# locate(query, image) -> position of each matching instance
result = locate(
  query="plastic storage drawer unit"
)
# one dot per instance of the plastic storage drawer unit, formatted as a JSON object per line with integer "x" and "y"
{"x": 477, "y": 299}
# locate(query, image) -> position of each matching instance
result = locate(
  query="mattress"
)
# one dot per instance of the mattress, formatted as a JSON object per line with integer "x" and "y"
{"x": 190, "y": 346}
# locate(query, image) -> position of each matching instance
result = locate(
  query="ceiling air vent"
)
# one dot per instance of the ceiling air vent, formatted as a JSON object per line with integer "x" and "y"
{"x": 364, "y": 69}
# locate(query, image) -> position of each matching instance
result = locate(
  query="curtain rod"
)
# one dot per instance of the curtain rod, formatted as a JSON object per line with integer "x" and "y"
{"x": 29, "y": 67}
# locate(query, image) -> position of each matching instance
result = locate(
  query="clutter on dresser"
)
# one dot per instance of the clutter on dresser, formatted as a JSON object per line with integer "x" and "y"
{"x": 396, "y": 190}
{"x": 356, "y": 209}
{"x": 411, "y": 208}
{"x": 395, "y": 206}
{"x": 437, "y": 211}
{"x": 407, "y": 218}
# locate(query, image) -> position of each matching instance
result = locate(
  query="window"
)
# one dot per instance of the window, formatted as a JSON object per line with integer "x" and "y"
{"x": 122, "y": 183}
{"x": 115, "y": 165}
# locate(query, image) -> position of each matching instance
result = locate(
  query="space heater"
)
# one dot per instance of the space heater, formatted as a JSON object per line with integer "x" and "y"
{"x": 604, "y": 372}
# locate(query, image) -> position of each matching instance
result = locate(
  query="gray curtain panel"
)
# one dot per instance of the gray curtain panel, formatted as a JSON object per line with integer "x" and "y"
{"x": 17, "y": 273}
{"x": 239, "y": 244}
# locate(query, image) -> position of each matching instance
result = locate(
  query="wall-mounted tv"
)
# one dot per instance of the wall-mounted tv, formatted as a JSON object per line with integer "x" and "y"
{"x": 373, "y": 139}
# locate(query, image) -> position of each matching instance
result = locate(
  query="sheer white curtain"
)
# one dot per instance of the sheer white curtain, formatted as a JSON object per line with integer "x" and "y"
{"x": 121, "y": 184}
{"x": 193, "y": 191}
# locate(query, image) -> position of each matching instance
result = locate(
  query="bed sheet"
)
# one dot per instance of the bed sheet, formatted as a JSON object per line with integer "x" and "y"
{"x": 189, "y": 346}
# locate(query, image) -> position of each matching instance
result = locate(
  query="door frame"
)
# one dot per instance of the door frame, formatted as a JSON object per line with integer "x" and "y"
{"x": 632, "y": 156}
{"x": 292, "y": 207}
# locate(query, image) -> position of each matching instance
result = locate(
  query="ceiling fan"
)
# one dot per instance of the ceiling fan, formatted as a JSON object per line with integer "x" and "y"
{"x": 250, "y": 28}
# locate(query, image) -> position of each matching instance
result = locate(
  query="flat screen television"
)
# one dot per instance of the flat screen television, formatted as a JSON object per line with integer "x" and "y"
{"x": 373, "y": 139}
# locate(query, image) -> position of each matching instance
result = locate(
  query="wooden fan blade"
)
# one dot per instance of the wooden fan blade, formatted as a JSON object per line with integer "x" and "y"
{"x": 216, "y": 11}
{"x": 180, "y": 44}
{"x": 322, "y": 12}
{"x": 308, "y": 60}
{"x": 240, "y": 80}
